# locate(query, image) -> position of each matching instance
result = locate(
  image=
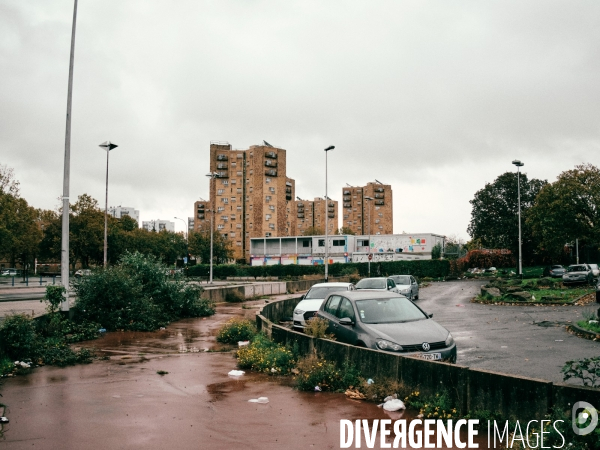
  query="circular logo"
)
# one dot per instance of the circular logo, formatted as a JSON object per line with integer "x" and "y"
{"x": 582, "y": 412}
{"x": 426, "y": 346}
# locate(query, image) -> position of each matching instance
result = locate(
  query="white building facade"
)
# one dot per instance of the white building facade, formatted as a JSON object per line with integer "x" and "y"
{"x": 158, "y": 225}
{"x": 310, "y": 250}
{"x": 120, "y": 211}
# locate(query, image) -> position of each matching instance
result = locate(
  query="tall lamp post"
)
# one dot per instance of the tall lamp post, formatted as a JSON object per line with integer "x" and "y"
{"x": 64, "y": 250}
{"x": 108, "y": 146}
{"x": 369, "y": 199}
{"x": 519, "y": 164}
{"x": 185, "y": 230}
{"x": 212, "y": 176}
{"x": 331, "y": 147}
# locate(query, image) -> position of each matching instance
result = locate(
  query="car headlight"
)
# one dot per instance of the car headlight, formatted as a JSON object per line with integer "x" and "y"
{"x": 388, "y": 345}
{"x": 298, "y": 312}
{"x": 405, "y": 291}
{"x": 449, "y": 340}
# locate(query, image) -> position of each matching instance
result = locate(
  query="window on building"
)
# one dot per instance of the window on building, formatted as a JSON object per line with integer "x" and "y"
{"x": 272, "y": 226}
{"x": 268, "y": 198}
{"x": 305, "y": 243}
{"x": 362, "y": 242}
{"x": 233, "y": 181}
{"x": 272, "y": 207}
{"x": 339, "y": 242}
{"x": 321, "y": 242}
{"x": 267, "y": 234}
{"x": 225, "y": 182}
{"x": 267, "y": 180}
{"x": 233, "y": 164}
{"x": 238, "y": 190}
{"x": 239, "y": 225}
{"x": 268, "y": 217}
{"x": 238, "y": 243}
{"x": 232, "y": 234}
{"x": 239, "y": 173}
{"x": 272, "y": 189}
{"x": 220, "y": 191}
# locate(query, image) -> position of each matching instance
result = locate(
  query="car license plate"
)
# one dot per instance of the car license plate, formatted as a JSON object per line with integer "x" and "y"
{"x": 431, "y": 356}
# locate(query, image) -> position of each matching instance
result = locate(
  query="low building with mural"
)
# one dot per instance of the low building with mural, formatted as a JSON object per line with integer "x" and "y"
{"x": 310, "y": 250}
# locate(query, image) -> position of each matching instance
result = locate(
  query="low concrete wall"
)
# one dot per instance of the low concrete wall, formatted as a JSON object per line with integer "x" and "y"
{"x": 472, "y": 389}
{"x": 219, "y": 293}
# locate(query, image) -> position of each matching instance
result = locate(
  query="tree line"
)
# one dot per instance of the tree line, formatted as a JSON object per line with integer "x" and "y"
{"x": 28, "y": 233}
{"x": 553, "y": 216}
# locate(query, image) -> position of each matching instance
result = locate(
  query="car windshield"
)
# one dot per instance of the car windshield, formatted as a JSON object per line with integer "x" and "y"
{"x": 577, "y": 269}
{"x": 372, "y": 283}
{"x": 324, "y": 291}
{"x": 401, "y": 279}
{"x": 593, "y": 266}
{"x": 388, "y": 310}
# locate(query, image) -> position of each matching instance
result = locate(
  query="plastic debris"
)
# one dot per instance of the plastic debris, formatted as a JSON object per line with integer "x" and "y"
{"x": 3, "y": 419}
{"x": 236, "y": 373}
{"x": 393, "y": 405}
{"x": 390, "y": 397}
{"x": 259, "y": 400}
{"x": 318, "y": 389}
{"x": 370, "y": 381}
{"x": 102, "y": 330}
{"x": 243, "y": 343}
{"x": 22, "y": 364}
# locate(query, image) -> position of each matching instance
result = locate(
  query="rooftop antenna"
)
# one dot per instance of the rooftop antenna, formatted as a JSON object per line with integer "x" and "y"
{"x": 348, "y": 185}
{"x": 267, "y": 144}
{"x": 299, "y": 199}
{"x": 379, "y": 182}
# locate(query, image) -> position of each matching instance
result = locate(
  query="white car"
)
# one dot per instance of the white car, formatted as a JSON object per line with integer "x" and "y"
{"x": 311, "y": 301}
{"x": 377, "y": 284}
{"x": 407, "y": 285}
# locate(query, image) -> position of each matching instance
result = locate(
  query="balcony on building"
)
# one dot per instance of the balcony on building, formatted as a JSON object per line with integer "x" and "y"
{"x": 346, "y": 192}
{"x": 270, "y": 163}
{"x": 379, "y": 202}
{"x": 347, "y": 205}
{"x": 222, "y": 157}
{"x": 331, "y": 215}
{"x": 222, "y": 174}
{"x": 347, "y": 199}
{"x": 271, "y": 155}
{"x": 300, "y": 216}
{"x": 271, "y": 173}
{"x": 379, "y": 195}
{"x": 379, "y": 189}
{"x": 221, "y": 165}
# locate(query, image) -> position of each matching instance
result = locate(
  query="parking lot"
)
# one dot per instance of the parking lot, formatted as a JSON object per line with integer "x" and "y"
{"x": 522, "y": 340}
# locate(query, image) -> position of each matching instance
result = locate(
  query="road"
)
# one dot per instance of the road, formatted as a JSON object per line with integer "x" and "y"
{"x": 522, "y": 340}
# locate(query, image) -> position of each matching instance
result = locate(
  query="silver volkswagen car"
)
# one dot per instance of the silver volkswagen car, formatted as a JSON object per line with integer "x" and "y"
{"x": 311, "y": 301}
{"x": 407, "y": 285}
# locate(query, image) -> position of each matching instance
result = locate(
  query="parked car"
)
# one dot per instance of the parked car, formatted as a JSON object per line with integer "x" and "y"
{"x": 407, "y": 285}
{"x": 578, "y": 273}
{"x": 386, "y": 321}
{"x": 556, "y": 271}
{"x": 378, "y": 284}
{"x": 595, "y": 270}
{"x": 11, "y": 272}
{"x": 311, "y": 301}
{"x": 83, "y": 273}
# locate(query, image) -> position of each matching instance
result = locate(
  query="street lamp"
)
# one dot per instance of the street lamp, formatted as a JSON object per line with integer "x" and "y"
{"x": 519, "y": 164}
{"x": 331, "y": 147}
{"x": 108, "y": 146}
{"x": 185, "y": 230}
{"x": 212, "y": 176}
{"x": 369, "y": 257}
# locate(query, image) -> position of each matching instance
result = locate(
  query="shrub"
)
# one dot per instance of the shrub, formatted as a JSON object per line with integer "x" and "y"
{"x": 315, "y": 371}
{"x": 264, "y": 355}
{"x": 18, "y": 339}
{"x": 382, "y": 388}
{"x": 236, "y": 330}
{"x": 317, "y": 328}
{"x": 138, "y": 295}
{"x": 439, "y": 406}
{"x": 586, "y": 370}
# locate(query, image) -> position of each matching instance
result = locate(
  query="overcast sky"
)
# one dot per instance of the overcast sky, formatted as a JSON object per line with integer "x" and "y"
{"x": 434, "y": 98}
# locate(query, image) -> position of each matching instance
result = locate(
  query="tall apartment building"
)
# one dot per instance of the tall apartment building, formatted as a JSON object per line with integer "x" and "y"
{"x": 357, "y": 209}
{"x": 202, "y": 214}
{"x": 312, "y": 214}
{"x": 250, "y": 194}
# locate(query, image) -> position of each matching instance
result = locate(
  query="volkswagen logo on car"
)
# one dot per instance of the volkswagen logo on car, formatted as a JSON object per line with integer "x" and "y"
{"x": 426, "y": 346}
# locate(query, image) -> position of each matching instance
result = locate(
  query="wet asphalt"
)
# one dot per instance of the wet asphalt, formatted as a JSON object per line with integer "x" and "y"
{"x": 529, "y": 341}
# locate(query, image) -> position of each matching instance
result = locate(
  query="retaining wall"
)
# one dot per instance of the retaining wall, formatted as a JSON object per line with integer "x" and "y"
{"x": 472, "y": 389}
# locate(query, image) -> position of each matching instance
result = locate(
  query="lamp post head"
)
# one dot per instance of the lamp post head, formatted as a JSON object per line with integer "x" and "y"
{"x": 211, "y": 175}
{"x": 518, "y": 163}
{"x": 331, "y": 147}
{"x": 108, "y": 145}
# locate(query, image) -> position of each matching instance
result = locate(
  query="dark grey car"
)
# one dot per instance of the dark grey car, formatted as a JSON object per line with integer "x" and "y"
{"x": 386, "y": 321}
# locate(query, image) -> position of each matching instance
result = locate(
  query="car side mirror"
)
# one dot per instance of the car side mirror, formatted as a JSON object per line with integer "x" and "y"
{"x": 430, "y": 315}
{"x": 303, "y": 295}
{"x": 346, "y": 321}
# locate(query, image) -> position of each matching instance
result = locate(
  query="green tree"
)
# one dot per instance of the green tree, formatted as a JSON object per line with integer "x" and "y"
{"x": 199, "y": 246}
{"x": 20, "y": 232}
{"x": 86, "y": 231}
{"x": 568, "y": 209}
{"x": 313, "y": 231}
{"x": 494, "y": 216}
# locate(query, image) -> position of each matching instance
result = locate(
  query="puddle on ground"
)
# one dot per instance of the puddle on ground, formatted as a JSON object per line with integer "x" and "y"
{"x": 548, "y": 324}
